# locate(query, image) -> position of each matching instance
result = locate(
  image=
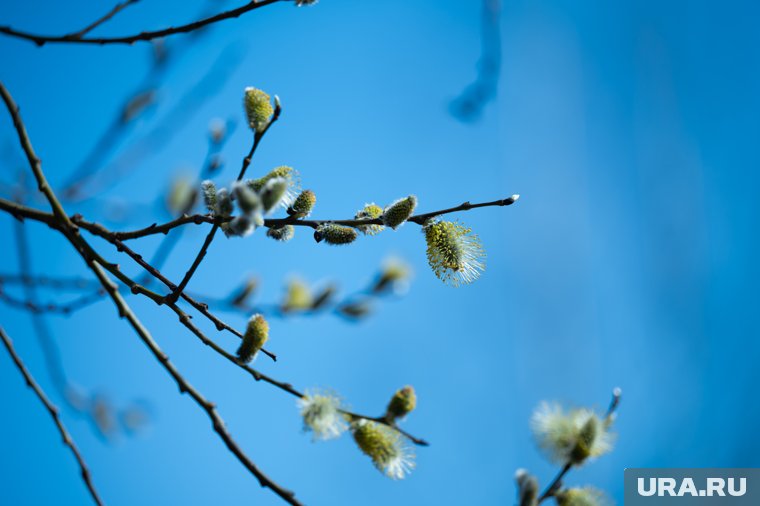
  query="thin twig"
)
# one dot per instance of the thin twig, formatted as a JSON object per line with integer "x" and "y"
{"x": 153, "y": 271}
{"x": 257, "y": 137}
{"x": 116, "y": 9}
{"x": 286, "y": 387}
{"x": 54, "y": 413}
{"x": 41, "y": 40}
{"x": 54, "y": 283}
{"x": 197, "y": 219}
{"x": 96, "y": 263}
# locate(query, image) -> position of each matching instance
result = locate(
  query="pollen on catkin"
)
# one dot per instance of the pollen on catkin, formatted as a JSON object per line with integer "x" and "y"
{"x": 385, "y": 446}
{"x": 283, "y": 234}
{"x": 454, "y": 253}
{"x": 401, "y": 404}
{"x": 369, "y": 212}
{"x": 321, "y": 415}
{"x": 256, "y": 335}
{"x": 258, "y": 108}
{"x": 396, "y": 213}
{"x": 570, "y": 436}
{"x": 303, "y": 204}
{"x": 283, "y": 171}
{"x": 335, "y": 234}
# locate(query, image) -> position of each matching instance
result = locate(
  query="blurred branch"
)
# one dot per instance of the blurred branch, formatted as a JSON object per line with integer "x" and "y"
{"x": 468, "y": 106}
{"x": 96, "y": 263}
{"x": 43, "y": 281}
{"x": 116, "y": 9}
{"x": 41, "y": 40}
{"x": 91, "y": 178}
{"x": 54, "y": 413}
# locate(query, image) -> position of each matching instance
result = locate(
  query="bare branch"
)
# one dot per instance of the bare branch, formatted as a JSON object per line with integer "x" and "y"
{"x": 41, "y": 40}
{"x": 54, "y": 413}
{"x": 96, "y": 263}
{"x": 87, "y": 29}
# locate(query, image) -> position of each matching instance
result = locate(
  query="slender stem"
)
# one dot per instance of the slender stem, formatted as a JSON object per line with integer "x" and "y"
{"x": 153, "y": 271}
{"x": 41, "y": 40}
{"x": 556, "y": 483}
{"x": 185, "y": 387}
{"x": 286, "y": 387}
{"x": 258, "y": 135}
{"x": 115, "y": 10}
{"x": 96, "y": 263}
{"x": 198, "y": 219}
{"x": 174, "y": 295}
{"x": 54, "y": 413}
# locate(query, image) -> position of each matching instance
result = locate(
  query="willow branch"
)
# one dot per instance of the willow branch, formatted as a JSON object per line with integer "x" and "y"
{"x": 185, "y": 387}
{"x": 258, "y": 135}
{"x": 41, "y": 40}
{"x": 54, "y": 413}
{"x": 284, "y": 386}
{"x": 198, "y": 219}
{"x": 97, "y": 264}
{"x": 153, "y": 271}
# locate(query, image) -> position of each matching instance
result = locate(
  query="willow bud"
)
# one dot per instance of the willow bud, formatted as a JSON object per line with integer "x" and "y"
{"x": 258, "y": 108}
{"x": 297, "y": 296}
{"x": 224, "y": 206}
{"x": 399, "y": 211}
{"x": 273, "y": 192}
{"x": 241, "y": 296}
{"x": 335, "y": 234}
{"x": 586, "y": 439}
{"x": 385, "y": 447}
{"x": 283, "y": 234}
{"x": 208, "y": 188}
{"x": 256, "y": 335}
{"x": 527, "y": 488}
{"x": 183, "y": 195}
{"x": 585, "y": 496}
{"x": 241, "y": 225}
{"x": 248, "y": 201}
{"x": 303, "y": 204}
{"x": 357, "y": 309}
{"x": 402, "y": 403}
{"x": 369, "y": 212}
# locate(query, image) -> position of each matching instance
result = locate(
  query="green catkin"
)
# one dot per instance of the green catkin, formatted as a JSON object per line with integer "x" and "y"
{"x": 399, "y": 211}
{"x": 303, "y": 204}
{"x": 256, "y": 335}
{"x": 335, "y": 234}
{"x": 258, "y": 109}
{"x": 401, "y": 404}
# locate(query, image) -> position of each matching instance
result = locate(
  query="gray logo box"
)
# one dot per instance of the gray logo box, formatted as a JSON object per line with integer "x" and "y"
{"x": 692, "y": 486}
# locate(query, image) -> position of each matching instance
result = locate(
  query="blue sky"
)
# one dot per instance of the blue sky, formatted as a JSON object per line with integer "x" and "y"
{"x": 630, "y": 131}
